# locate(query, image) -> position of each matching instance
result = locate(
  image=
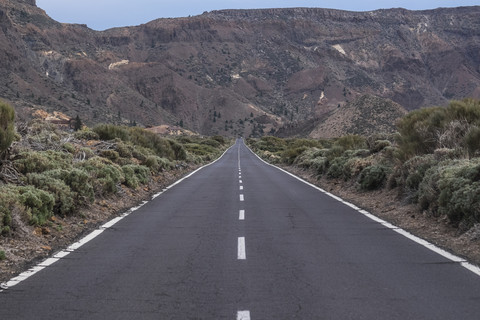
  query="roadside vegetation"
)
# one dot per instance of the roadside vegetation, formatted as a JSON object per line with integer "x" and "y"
{"x": 432, "y": 161}
{"x": 48, "y": 173}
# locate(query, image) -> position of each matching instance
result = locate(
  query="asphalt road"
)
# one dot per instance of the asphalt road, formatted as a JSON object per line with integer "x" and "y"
{"x": 242, "y": 240}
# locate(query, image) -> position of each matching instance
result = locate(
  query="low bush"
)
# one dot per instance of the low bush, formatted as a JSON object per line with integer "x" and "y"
{"x": 336, "y": 168}
{"x": 79, "y": 182}
{"x": 150, "y": 140}
{"x": 39, "y": 204}
{"x": 39, "y": 161}
{"x": 105, "y": 173}
{"x": 124, "y": 150}
{"x": 135, "y": 174}
{"x": 86, "y": 134}
{"x": 452, "y": 188}
{"x": 354, "y": 166}
{"x": 64, "y": 197}
{"x": 425, "y": 130}
{"x": 157, "y": 164}
{"x": 179, "y": 150}
{"x": 199, "y": 149}
{"x": 372, "y": 177}
{"x": 8, "y": 203}
{"x": 290, "y": 155}
{"x": 110, "y": 132}
{"x": 350, "y": 142}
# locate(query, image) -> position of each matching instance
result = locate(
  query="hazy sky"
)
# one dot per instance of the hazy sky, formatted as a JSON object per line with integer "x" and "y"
{"x": 104, "y": 14}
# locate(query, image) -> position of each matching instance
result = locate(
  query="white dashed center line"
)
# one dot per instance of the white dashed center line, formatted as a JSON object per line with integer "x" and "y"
{"x": 241, "y": 197}
{"x": 243, "y": 315}
{"x": 241, "y": 254}
{"x": 240, "y": 181}
{"x": 241, "y": 187}
{"x": 241, "y": 215}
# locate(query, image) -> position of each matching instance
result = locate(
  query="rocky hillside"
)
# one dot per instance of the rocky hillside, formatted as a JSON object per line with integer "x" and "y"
{"x": 365, "y": 116}
{"x": 237, "y": 71}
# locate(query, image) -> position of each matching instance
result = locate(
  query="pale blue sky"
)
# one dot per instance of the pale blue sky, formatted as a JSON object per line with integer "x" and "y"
{"x": 104, "y": 14}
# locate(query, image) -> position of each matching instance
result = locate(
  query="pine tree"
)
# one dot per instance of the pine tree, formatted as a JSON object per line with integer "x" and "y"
{"x": 78, "y": 123}
{"x": 7, "y": 126}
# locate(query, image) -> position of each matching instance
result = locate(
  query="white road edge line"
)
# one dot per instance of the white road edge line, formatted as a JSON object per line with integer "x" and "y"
{"x": 243, "y": 315}
{"x": 241, "y": 252}
{"x": 241, "y": 215}
{"x": 63, "y": 253}
{"x": 464, "y": 263}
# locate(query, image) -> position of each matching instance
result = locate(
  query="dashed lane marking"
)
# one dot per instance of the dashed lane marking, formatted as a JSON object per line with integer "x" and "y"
{"x": 243, "y": 315}
{"x": 241, "y": 253}
{"x": 241, "y": 215}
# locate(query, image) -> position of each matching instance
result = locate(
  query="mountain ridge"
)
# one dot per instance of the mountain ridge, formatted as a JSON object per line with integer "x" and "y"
{"x": 237, "y": 72}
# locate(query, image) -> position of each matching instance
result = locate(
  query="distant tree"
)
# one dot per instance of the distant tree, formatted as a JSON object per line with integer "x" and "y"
{"x": 7, "y": 126}
{"x": 78, "y": 123}
{"x": 181, "y": 123}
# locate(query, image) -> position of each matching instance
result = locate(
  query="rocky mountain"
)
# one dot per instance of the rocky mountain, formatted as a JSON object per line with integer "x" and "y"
{"x": 237, "y": 71}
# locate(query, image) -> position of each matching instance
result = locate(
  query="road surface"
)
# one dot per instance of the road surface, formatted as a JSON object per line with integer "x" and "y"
{"x": 240, "y": 239}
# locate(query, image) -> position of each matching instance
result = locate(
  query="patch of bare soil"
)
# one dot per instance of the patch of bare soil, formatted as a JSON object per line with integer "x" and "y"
{"x": 390, "y": 206}
{"x": 30, "y": 245}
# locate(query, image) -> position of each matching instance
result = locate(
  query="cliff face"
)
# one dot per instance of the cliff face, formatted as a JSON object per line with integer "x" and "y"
{"x": 237, "y": 71}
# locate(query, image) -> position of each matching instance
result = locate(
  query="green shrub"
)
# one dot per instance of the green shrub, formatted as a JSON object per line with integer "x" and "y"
{"x": 351, "y": 142}
{"x": 354, "y": 166}
{"x": 123, "y": 150}
{"x": 379, "y": 145}
{"x": 425, "y": 130}
{"x": 141, "y": 153}
{"x": 199, "y": 149}
{"x": 3, "y": 256}
{"x": 110, "y": 132}
{"x": 135, "y": 174}
{"x": 79, "y": 182}
{"x": 110, "y": 155}
{"x": 178, "y": 150}
{"x": 64, "y": 197}
{"x": 335, "y": 169}
{"x": 38, "y": 202}
{"x": 334, "y": 152}
{"x": 472, "y": 141}
{"x": 8, "y": 203}
{"x": 211, "y": 142}
{"x": 220, "y": 139}
{"x": 7, "y": 126}
{"x": 84, "y": 153}
{"x": 105, "y": 174}
{"x": 412, "y": 173}
{"x": 320, "y": 165}
{"x": 68, "y": 147}
{"x": 452, "y": 188}
{"x": 271, "y": 144}
{"x": 290, "y": 155}
{"x": 86, "y": 134}
{"x": 39, "y": 161}
{"x": 150, "y": 140}
{"x": 157, "y": 164}
{"x": 372, "y": 177}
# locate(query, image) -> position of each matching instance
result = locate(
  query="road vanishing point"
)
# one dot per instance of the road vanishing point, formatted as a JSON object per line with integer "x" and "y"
{"x": 240, "y": 239}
